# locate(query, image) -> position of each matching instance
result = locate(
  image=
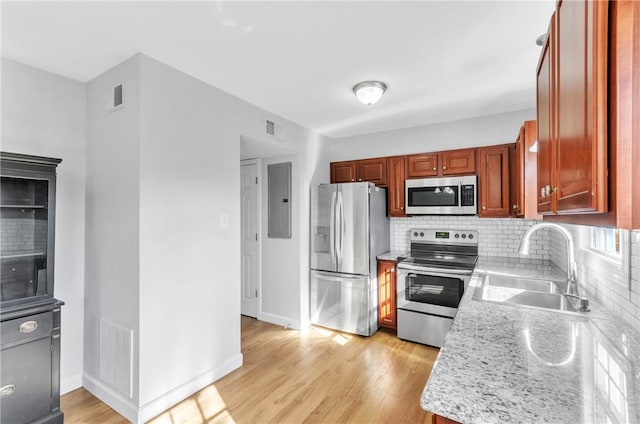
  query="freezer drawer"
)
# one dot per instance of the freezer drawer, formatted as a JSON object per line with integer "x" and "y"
{"x": 344, "y": 302}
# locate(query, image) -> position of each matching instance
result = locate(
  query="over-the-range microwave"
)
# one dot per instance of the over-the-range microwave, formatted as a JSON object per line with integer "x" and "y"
{"x": 442, "y": 196}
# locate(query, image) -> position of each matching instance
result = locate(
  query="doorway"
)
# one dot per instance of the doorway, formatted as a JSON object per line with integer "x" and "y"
{"x": 250, "y": 233}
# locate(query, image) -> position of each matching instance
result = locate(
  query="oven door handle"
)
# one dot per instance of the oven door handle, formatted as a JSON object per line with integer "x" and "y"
{"x": 450, "y": 272}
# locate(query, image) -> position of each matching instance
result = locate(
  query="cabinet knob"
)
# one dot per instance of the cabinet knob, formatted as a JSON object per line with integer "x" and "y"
{"x": 444, "y": 167}
{"x": 515, "y": 206}
{"x": 353, "y": 179}
{"x": 401, "y": 208}
{"x": 435, "y": 169}
{"x": 7, "y": 390}
{"x": 28, "y": 326}
{"x": 392, "y": 270}
{"x": 484, "y": 207}
{"x": 360, "y": 179}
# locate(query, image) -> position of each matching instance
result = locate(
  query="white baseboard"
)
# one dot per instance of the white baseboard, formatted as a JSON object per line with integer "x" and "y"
{"x": 128, "y": 409}
{"x": 166, "y": 401}
{"x": 70, "y": 383}
{"x": 279, "y": 320}
{"x": 123, "y": 405}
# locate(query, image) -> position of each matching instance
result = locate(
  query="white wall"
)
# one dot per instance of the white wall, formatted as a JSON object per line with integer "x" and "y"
{"x": 112, "y": 221}
{"x": 44, "y": 114}
{"x": 481, "y": 131}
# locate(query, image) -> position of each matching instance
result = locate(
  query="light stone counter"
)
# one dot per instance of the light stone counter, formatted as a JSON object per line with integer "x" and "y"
{"x": 392, "y": 256}
{"x": 509, "y": 364}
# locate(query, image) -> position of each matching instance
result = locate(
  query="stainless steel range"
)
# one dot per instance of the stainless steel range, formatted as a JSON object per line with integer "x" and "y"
{"x": 431, "y": 281}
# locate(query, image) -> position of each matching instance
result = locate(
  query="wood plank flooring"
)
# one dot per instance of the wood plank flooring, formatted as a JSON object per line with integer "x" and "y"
{"x": 317, "y": 376}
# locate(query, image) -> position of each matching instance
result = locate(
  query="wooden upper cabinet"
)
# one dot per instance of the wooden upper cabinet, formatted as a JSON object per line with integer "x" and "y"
{"x": 545, "y": 120}
{"x": 581, "y": 93}
{"x": 423, "y": 165}
{"x": 395, "y": 191}
{"x": 373, "y": 170}
{"x": 524, "y": 181}
{"x": 572, "y": 110}
{"x": 455, "y": 162}
{"x": 450, "y": 162}
{"x": 493, "y": 181}
{"x": 343, "y": 172}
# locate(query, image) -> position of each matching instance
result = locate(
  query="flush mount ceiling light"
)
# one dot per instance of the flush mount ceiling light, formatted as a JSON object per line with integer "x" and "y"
{"x": 369, "y": 92}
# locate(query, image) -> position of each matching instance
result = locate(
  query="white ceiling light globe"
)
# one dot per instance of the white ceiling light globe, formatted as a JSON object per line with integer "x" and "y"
{"x": 369, "y": 92}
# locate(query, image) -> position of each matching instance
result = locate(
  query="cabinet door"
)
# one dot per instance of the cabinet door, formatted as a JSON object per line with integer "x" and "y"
{"x": 343, "y": 172}
{"x": 581, "y": 90}
{"x": 372, "y": 170}
{"x": 493, "y": 179}
{"x": 517, "y": 184}
{"x": 545, "y": 124}
{"x": 26, "y": 382}
{"x": 387, "y": 294}
{"x": 396, "y": 186}
{"x": 425, "y": 165}
{"x": 455, "y": 162}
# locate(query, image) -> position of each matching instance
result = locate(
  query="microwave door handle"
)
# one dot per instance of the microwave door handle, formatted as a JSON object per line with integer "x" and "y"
{"x": 459, "y": 194}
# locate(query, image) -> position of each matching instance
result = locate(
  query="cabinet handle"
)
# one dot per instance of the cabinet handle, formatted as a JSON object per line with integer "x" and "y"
{"x": 7, "y": 390}
{"x": 28, "y": 326}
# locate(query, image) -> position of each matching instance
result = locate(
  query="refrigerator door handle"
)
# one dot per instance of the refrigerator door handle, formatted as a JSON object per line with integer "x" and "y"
{"x": 335, "y": 277}
{"x": 340, "y": 227}
{"x": 332, "y": 227}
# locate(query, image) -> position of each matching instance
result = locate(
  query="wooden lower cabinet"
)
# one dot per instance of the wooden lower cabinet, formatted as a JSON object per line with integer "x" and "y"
{"x": 438, "y": 419}
{"x": 387, "y": 294}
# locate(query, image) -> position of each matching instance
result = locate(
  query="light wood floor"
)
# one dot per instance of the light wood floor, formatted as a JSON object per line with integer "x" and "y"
{"x": 295, "y": 377}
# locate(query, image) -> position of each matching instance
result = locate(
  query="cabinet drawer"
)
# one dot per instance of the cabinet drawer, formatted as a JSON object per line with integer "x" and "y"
{"x": 25, "y": 328}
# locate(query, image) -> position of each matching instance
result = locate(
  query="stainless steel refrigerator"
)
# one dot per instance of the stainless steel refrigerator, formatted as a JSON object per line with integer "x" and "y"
{"x": 349, "y": 228}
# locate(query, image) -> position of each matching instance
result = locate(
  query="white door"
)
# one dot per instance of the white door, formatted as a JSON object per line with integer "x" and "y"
{"x": 250, "y": 210}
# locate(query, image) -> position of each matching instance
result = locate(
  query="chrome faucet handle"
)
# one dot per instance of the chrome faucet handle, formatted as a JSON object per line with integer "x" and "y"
{"x": 584, "y": 302}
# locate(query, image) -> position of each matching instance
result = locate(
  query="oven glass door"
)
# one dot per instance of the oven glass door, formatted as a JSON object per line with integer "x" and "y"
{"x": 434, "y": 290}
{"x": 433, "y": 196}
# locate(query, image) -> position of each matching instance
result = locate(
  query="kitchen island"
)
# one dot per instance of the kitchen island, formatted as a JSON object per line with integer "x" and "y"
{"x": 503, "y": 363}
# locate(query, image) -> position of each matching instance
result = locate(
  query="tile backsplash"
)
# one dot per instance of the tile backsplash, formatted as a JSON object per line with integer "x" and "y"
{"x": 496, "y": 237}
{"x": 619, "y": 292}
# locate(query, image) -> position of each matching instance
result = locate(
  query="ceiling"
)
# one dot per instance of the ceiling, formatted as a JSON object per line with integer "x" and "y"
{"x": 442, "y": 61}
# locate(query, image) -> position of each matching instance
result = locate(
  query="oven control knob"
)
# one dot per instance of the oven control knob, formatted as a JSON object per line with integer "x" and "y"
{"x": 457, "y": 235}
{"x": 470, "y": 236}
{"x": 464, "y": 236}
{"x": 415, "y": 234}
{"x": 421, "y": 234}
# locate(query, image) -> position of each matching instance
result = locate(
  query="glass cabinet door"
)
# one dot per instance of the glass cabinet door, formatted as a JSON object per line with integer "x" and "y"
{"x": 24, "y": 230}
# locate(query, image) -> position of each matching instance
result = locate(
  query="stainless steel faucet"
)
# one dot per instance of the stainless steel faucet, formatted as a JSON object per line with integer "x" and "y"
{"x": 572, "y": 276}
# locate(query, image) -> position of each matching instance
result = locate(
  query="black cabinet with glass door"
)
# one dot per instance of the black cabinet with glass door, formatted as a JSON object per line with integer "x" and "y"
{"x": 29, "y": 313}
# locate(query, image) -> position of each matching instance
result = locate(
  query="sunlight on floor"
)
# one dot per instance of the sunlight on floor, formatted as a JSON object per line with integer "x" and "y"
{"x": 207, "y": 407}
{"x": 340, "y": 338}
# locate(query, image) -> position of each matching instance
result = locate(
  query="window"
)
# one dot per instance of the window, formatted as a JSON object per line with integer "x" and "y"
{"x": 606, "y": 251}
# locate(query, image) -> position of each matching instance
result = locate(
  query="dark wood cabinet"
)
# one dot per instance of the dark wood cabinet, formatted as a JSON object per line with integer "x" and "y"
{"x": 423, "y": 165}
{"x": 29, "y": 314}
{"x": 524, "y": 181}
{"x": 395, "y": 191}
{"x": 372, "y": 170}
{"x": 493, "y": 181}
{"x": 457, "y": 162}
{"x": 439, "y": 419}
{"x": 450, "y": 162}
{"x": 343, "y": 172}
{"x": 387, "y": 293}
{"x": 572, "y": 110}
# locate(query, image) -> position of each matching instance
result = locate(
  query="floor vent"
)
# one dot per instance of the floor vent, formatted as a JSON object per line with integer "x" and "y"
{"x": 116, "y": 357}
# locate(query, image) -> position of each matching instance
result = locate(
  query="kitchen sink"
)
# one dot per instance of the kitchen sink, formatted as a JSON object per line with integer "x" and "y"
{"x": 527, "y": 292}
{"x": 528, "y": 284}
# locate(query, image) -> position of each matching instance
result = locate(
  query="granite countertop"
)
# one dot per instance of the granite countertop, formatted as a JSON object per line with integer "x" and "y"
{"x": 507, "y": 364}
{"x": 392, "y": 256}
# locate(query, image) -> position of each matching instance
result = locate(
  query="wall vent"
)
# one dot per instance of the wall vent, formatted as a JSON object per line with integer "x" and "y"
{"x": 273, "y": 128}
{"x": 114, "y": 99}
{"x": 116, "y": 357}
